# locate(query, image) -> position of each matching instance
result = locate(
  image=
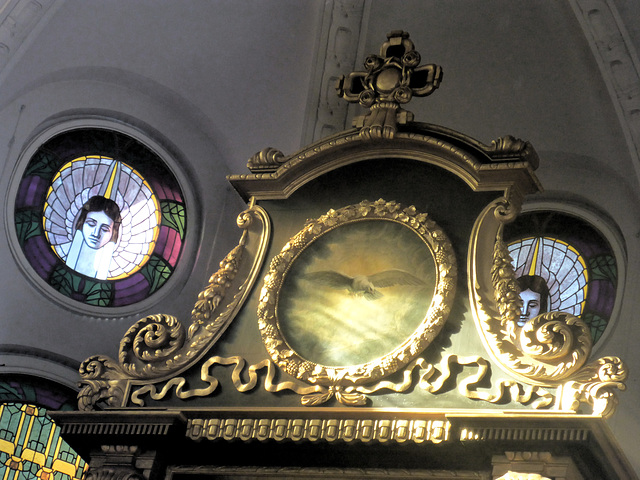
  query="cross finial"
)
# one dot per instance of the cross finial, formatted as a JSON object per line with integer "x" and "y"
{"x": 392, "y": 78}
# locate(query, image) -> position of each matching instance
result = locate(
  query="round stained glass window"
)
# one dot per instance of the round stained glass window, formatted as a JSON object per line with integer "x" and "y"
{"x": 100, "y": 217}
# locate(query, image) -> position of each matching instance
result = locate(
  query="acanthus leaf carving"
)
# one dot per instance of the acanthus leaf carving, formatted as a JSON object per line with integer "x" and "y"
{"x": 550, "y": 349}
{"x": 158, "y": 345}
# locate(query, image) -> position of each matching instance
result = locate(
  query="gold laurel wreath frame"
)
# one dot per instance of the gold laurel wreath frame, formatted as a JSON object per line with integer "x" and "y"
{"x": 344, "y": 379}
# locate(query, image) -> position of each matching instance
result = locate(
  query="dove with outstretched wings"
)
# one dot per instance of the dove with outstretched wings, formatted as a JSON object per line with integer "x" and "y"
{"x": 363, "y": 285}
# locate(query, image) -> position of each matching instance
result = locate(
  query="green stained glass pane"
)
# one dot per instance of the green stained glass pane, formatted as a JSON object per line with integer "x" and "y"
{"x": 603, "y": 267}
{"x": 156, "y": 271}
{"x": 43, "y": 165}
{"x": 596, "y": 324}
{"x": 173, "y": 215}
{"x": 7, "y": 392}
{"x": 64, "y": 281}
{"x": 36, "y": 448}
{"x": 98, "y": 293}
{"x": 28, "y": 224}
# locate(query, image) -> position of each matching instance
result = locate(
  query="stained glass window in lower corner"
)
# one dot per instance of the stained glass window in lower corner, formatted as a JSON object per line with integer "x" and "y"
{"x": 100, "y": 217}
{"x": 566, "y": 264}
{"x": 31, "y": 446}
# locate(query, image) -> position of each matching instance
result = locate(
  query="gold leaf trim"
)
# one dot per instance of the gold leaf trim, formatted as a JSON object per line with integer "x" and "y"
{"x": 338, "y": 378}
{"x": 319, "y": 429}
{"x": 157, "y": 346}
{"x": 550, "y": 349}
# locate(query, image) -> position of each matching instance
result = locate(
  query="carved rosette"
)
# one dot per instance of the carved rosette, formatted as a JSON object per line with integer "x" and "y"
{"x": 342, "y": 381}
{"x": 549, "y": 350}
{"x": 158, "y": 345}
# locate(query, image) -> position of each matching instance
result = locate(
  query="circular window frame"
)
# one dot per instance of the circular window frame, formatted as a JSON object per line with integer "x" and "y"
{"x": 171, "y": 161}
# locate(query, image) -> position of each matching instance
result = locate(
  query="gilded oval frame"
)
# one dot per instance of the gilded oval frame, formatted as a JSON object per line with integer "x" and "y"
{"x": 437, "y": 312}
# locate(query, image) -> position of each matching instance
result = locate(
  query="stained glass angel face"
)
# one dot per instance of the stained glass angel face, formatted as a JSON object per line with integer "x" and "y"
{"x": 99, "y": 221}
{"x": 530, "y": 306}
{"x": 106, "y": 229}
{"x": 534, "y": 294}
{"x": 575, "y": 262}
{"x": 97, "y": 229}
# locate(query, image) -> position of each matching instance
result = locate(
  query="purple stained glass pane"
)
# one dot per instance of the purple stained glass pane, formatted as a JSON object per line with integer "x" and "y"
{"x": 161, "y": 241}
{"x": 130, "y": 290}
{"x": 601, "y": 297}
{"x": 160, "y": 190}
{"x": 172, "y": 251}
{"x": 31, "y": 191}
{"x": 135, "y": 282}
{"x": 40, "y": 256}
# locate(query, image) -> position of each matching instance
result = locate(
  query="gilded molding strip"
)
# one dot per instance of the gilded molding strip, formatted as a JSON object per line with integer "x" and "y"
{"x": 431, "y": 379}
{"x": 315, "y": 429}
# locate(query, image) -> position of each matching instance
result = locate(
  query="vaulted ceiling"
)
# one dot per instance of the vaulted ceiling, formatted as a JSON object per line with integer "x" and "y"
{"x": 211, "y": 83}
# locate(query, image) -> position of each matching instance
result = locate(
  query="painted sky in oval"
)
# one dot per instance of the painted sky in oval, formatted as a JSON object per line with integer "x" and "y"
{"x": 331, "y": 320}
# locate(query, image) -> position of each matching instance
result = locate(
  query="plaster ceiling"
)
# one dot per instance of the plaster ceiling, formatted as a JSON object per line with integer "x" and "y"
{"x": 214, "y": 82}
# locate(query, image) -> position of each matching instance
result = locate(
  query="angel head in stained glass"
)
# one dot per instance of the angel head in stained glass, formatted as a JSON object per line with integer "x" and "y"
{"x": 101, "y": 218}
{"x": 95, "y": 238}
{"x": 534, "y": 294}
{"x": 561, "y": 269}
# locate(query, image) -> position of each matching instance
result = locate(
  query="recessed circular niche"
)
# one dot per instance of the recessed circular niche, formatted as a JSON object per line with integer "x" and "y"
{"x": 100, "y": 218}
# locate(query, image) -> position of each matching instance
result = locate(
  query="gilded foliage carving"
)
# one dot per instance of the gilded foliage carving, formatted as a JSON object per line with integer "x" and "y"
{"x": 596, "y": 384}
{"x": 340, "y": 381}
{"x": 158, "y": 345}
{"x": 550, "y": 349}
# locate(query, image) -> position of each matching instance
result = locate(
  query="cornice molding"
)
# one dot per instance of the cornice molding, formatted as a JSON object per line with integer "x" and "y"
{"x": 337, "y": 50}
{"x": 619, "y": 65}
{"x": 18, "y": 19}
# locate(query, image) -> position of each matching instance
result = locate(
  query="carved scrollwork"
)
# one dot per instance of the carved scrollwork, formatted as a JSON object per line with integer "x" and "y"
{"x": 267, "y": 160}
{"x": 151, "y": 340}
{"x": 158, "y": 344}
{"x": 550, "y": 349}
{"x": 596, "y": 385}
{"x": 509, "y": 148}
{"x": 552, "y": 336}
{"x": 103, "y": 382}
